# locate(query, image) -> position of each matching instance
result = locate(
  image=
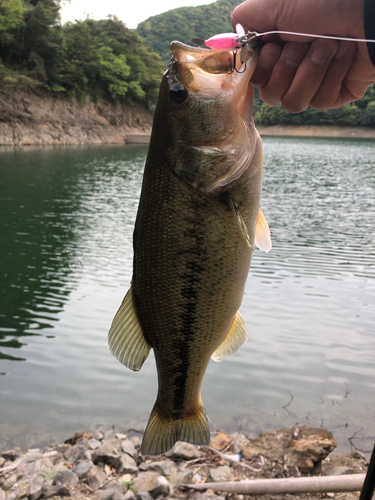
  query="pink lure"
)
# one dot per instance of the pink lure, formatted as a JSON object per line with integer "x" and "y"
{"x": 226, "y": 41}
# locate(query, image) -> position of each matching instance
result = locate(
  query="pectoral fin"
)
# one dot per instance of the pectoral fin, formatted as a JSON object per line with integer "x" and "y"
{"x": 262, "y": 233}
{"x": 193, "y": 164}
{"x": 235, "y": 339}
{"x": 240, "y": 222}
{"x": 126, "y": 339}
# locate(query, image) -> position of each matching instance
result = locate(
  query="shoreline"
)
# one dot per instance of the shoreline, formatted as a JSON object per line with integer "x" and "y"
{"x": 331, "y": 131}
{"x": 120, "y": 135}
{"x": 289, "y": 131}
{"x": 108, "y": 465}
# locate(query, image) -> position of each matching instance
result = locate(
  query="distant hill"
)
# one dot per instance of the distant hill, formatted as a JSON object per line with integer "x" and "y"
{"x": 186, "y": 23}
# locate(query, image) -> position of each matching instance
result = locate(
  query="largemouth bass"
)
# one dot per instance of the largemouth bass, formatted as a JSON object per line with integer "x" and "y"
{"x": 198, "y": 216}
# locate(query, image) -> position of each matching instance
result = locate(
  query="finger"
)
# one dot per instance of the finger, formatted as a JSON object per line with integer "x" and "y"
{"x": 268, "y": 57}
{"x": 283, "y": 72}
{"x": 331, "y": 93}
{"x": 309, "y": 75}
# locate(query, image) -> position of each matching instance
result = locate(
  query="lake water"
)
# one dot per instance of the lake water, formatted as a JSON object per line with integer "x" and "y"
{"x": 66, "y": 222}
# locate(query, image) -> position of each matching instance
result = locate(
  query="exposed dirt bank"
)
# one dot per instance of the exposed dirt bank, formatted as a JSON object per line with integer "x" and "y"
{"x": 318, "y": 131}
{"x": 38, "y": 118}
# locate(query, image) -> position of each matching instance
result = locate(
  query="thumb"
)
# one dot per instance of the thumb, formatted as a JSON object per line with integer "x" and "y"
{"x": 258, "y": 16}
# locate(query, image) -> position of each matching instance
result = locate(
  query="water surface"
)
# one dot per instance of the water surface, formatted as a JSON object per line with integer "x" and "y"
{"x": 66, "y": 222}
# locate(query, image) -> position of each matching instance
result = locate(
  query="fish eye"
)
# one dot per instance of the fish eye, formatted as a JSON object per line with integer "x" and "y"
{"x": 178, "y": 93}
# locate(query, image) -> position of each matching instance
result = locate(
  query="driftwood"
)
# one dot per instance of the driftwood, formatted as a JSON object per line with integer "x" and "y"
{"x": 318, "y": 484}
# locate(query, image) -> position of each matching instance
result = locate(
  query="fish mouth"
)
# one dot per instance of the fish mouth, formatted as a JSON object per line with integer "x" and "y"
{"x": 221, "y": 74}
{"x": 211, "y": 72}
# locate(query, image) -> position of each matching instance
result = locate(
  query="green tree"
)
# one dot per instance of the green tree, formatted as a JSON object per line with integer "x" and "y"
{"x": 11, "y": 15}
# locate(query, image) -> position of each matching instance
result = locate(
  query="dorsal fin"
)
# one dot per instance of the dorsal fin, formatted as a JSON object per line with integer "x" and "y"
{"x": 125, "y": 338}
{"x": 262, "y": 232}
{"x": 235, "y": 339}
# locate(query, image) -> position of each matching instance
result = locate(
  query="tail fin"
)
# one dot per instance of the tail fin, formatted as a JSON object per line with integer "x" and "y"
{"x": 163, "y": 432}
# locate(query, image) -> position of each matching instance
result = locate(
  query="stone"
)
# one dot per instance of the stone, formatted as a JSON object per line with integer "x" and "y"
{"x": 109, "y": 435}
{"x": 82, "y": 468}
{"x": 67, "y": 478}
{"x": 120, "y": 435}
{"x": 129, "y": 495}
{"x": 61, "y": 448}
{"x": 127, "y": 464}
{"x": 166, "y": 467}
{"x": 72, "y": 453}
{"x": 95, "y": 478}
{"x": 99, "y": 435}
{"x": 43, "y": 466}
{"x": 220, "y": 441}
{"x": 110, "y": 446}
{"x": 116, "y": 489}
{"x": 239, "y": 441}
{"x": 181, "y": 477}
{"x": 2, "y": 461}
{"x": 222, "y": 473}
{"x": 55, "y": 491}
{"x": 209, "y": 496}
{"x": 94, "y": 443}
{"x": 136, "y": 441}
{"x": 303, "y": 445}
{"x": 197, "y": 478}
{"x": 125, "y": 479}
{"x": 103, "y": 495}
{"x": 2, "y": 494}
{"x": 152, "y": 482}
{"x": 143, "y": 495}
{"x": 128, "y": 447}
{"x": 183, "y": 451}
{"x": 38, "y": 493}
{"x": 10, "y": 481}
{"x": 36, "y": 482}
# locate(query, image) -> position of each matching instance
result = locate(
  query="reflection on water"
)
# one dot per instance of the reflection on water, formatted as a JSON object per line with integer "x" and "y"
{"x": 66, "y": 222}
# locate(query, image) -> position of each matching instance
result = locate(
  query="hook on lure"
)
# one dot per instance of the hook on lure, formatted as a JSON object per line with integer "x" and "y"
{"x": 236, "y": 42}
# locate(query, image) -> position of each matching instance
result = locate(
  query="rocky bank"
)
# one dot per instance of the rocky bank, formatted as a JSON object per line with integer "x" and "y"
{"x": 38, "y": 117}
{"x": 109, "y": 466}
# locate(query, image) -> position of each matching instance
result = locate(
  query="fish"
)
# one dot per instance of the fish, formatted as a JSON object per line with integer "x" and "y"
{"x": 198, "y": 218}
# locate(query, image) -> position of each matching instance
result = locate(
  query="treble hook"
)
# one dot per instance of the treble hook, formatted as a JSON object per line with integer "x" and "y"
{"x": 233, "y": 68}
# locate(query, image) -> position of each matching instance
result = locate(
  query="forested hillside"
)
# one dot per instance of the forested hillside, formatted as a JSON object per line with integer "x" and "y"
{"x": 96, "y": 58}
{"x": 186, "y": 23}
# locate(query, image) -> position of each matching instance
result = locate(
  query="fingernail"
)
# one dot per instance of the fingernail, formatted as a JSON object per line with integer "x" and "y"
{"x": 322, "y": 51}
{"x": 294, "y": 53}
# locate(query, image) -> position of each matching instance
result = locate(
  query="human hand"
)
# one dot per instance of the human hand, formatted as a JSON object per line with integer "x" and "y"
{"x": 299, "y": 72}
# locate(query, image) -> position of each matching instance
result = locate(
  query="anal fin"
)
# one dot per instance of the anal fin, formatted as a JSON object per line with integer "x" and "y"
{"x": 125, "y": 338}
{"x": 235, "y": 339}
